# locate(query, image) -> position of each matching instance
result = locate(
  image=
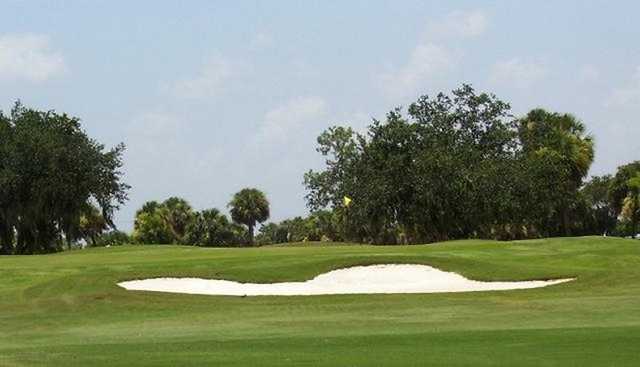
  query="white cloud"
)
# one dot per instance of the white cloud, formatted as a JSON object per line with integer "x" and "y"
{"x": 212, "y": 79}
{"x": 460, "y": 24}
{"x": 427, "y": 62}
{"x": 286, "y": 120}
{"x": 29, "y": 57}
{"x": 517, "y": 73}
{"x": 628, "y": 95}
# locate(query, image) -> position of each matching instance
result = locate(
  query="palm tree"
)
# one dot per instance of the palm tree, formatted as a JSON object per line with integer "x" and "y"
{"x": 542, "y": 132}
{"x": 631, "y": 206}
{"x": 91, "y": 224}
{"x": 619, "y": 188}
{"x": 178, "y": 214}
{"x": 249, "y": 206}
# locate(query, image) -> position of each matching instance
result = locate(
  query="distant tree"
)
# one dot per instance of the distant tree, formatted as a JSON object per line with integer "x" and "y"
{"x": 456, "y": 166}
{"x": 173, "y": 221}
{"x": 601, "y": 216}
{"x": 341, "y": 148}
{"x": 150, "y": 225}
{"x": 563, "y": 139}
{"x": 9, "y": 207}
{"x": 619, "y": 187}
{"x": 50, "y": 170}
{"x": 321, "y": 225}
{"x": 149, "y": 207}
{"x": 327, "y": 225}
{"x": 248, "y": 207}
{"x": 297, "y": 229}
{"x": 240, "y": 233}
{"x": 272, "y": 233}
{"x": 432, "y": 175}
{"x": 631, "y": 205}
{"x": 91, "y": 224}
{"x": 177, "y": 214}
{"x": 211, "y": 228}
{"x": 465, "y": 141}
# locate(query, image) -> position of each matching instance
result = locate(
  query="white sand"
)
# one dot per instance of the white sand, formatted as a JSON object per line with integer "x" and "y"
{"x": 356, "y": 280}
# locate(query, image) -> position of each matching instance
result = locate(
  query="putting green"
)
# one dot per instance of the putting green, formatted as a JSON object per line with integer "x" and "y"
{"x": 66, "y": 309}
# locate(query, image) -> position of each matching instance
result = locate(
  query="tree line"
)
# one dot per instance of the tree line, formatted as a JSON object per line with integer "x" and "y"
{"x": 174, "y": 221}
{"x": 461, "y": 166}
{"x": 451, "y": 166}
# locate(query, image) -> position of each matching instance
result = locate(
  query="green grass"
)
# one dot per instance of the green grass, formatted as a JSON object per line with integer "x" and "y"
{"x": 66, "y": 310}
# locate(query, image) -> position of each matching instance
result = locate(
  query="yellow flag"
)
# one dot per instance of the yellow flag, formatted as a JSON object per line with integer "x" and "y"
{"x": 347, "y": 201}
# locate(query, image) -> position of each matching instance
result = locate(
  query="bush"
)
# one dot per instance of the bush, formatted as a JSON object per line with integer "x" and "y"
{"x": 318, "y": 226}
{"x": 212, "y": 228}
{"x": 272, "y": 233}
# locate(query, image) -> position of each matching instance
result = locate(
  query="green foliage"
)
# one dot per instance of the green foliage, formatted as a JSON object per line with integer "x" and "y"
{"x": 318, "y": 226}
{"x": 631, "y": 206}
{"x": 601, "y": 216}
{"x": 297, "y": 229}
{"x": 456, "y": 166}
{"x": 619, "y": 189}
{"x": 111, "y": 238}
{"x": 151, "y": 225}
{"x": 50, "y": 171}
{"x": 249, "y": 206}
{"x": 563, "y": 139}
{"x": 212, "y": 228}
{"x": 162, "y": 223}
{"x": 174, "y": 222}
{"x": 340, "y": 146}
{"x": 418, "y": 178}
{"x": 177, "y": 214}
{"x": 560, "y": 133}
{"x": 624, "y": 198}
{"x": 322, "y": 225}
{"x": 91, "y": 224}
{"x": 272, "y": 233}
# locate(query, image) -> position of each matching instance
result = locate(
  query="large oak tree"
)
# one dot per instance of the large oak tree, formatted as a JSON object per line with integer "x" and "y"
{"x": 51, "y": 171}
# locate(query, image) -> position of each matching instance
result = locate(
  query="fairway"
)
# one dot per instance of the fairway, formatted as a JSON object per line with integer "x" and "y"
{"x": 66, "y": 309}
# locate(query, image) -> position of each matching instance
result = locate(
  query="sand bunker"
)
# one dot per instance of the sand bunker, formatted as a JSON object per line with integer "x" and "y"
{"x": 356, "y": 280}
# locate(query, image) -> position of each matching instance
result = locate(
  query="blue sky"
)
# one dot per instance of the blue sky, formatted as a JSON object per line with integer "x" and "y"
{"x": 214, "y": 96}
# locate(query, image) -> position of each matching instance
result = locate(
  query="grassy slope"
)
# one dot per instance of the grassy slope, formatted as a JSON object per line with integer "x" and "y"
{"x": 65, "y": 309}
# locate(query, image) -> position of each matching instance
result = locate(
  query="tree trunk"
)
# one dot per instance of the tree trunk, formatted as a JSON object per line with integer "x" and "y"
{"x": 565, "y": 223}
{"x": 566, "y": 230}
{"x": 250, "y": 235}
{"x": 22, "y": 241}
{"x": 6, "y": 240}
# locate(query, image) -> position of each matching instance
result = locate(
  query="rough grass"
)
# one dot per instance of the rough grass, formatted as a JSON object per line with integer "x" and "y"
{"x": 66, "y": 310}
